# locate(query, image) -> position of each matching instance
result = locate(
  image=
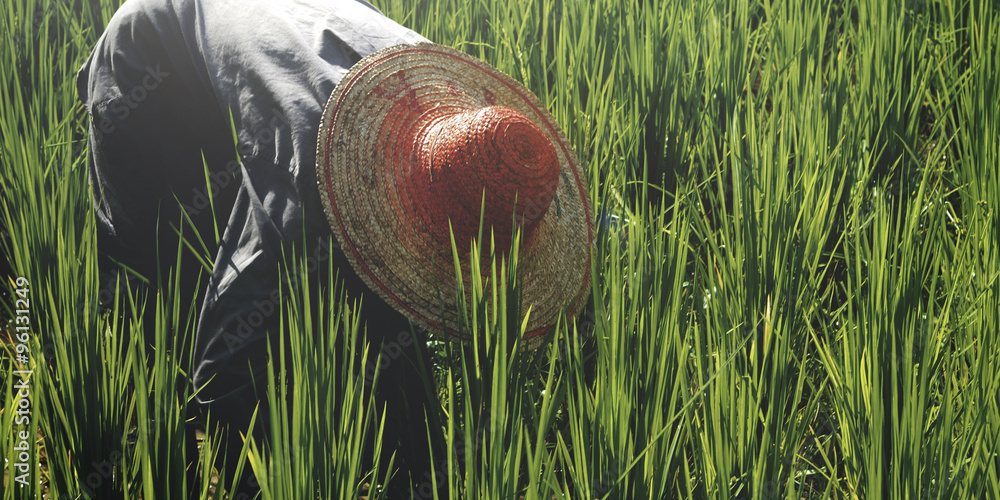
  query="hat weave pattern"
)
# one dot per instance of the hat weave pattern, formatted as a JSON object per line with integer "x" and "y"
{"x": 413, "y": 140}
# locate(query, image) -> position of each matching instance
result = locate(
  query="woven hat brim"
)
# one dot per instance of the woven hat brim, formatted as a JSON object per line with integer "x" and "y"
{"x": 361, "y": 158}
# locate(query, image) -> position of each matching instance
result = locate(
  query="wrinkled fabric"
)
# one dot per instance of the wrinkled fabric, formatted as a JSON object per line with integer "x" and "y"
{"x": 168, "y": 81}
{"x": 168, "y": 85}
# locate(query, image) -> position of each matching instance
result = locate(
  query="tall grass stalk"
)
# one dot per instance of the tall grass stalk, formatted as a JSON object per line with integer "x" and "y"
{"x": 322, "y": 415}
{"x": 795, "y": 281}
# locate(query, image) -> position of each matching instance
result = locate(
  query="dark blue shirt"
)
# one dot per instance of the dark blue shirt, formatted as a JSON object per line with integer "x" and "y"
{"x": 166, "y": 85}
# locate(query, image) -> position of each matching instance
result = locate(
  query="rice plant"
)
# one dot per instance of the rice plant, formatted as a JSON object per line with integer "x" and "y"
{"x": 322, "y": 413}
{"x": 795, "y": 280}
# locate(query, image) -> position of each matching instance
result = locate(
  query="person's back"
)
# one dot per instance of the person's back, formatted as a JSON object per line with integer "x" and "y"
{"x": 162, "y": 85}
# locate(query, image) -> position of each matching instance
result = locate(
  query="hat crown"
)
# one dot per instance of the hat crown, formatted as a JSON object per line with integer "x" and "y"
{"x": 496, "y": 152}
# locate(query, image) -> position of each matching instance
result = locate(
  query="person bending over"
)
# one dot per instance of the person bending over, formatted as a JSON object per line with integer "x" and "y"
{"x": 350, "y": 129}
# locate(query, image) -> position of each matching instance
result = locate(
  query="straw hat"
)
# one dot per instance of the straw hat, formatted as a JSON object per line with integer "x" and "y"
{"x": 410, "y": 140}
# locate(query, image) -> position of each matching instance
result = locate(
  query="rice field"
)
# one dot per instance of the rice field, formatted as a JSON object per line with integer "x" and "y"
{"x": 796, "y": 285}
